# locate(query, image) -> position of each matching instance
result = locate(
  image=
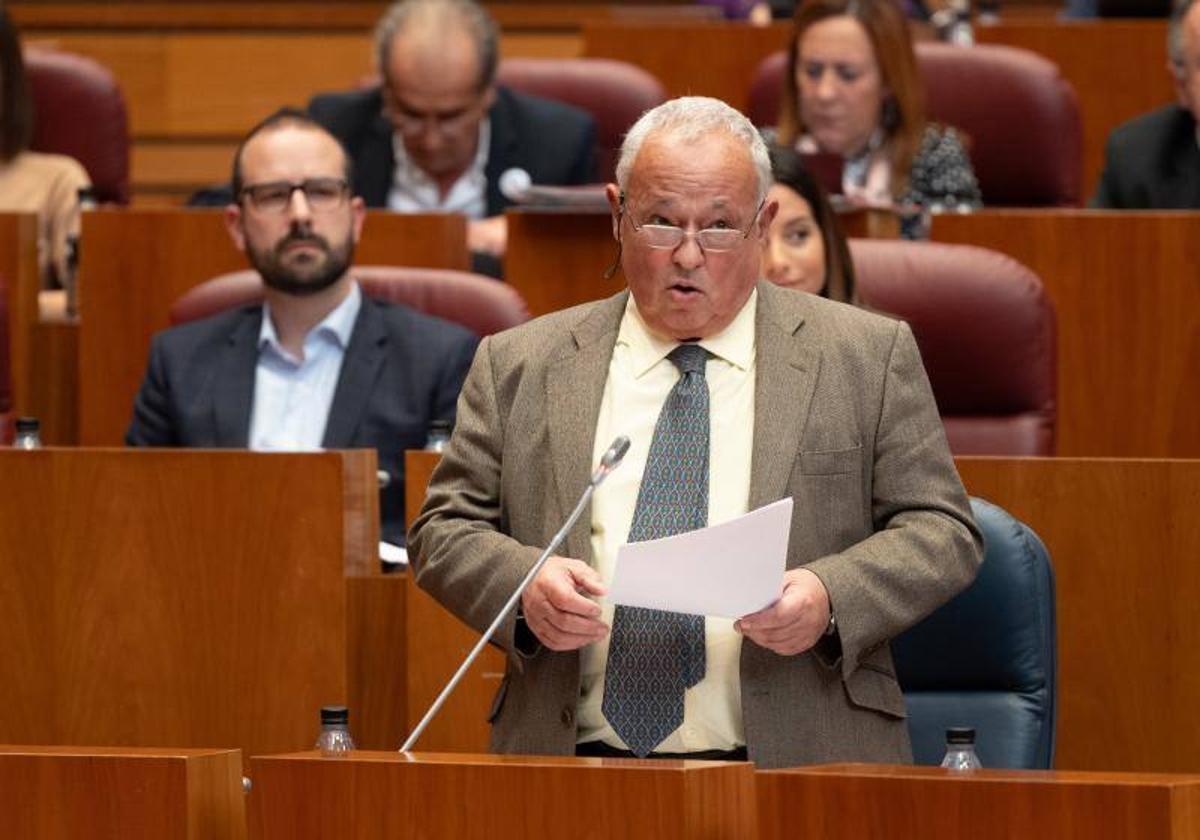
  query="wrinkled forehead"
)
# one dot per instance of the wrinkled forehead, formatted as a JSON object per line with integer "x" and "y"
{"x": 713, "y": 172}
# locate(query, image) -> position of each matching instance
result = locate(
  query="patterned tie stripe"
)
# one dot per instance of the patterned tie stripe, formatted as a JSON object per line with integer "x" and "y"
{"x": 654, "y": 656}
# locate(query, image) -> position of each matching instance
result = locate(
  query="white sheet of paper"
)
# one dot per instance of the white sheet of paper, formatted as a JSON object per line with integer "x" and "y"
{"x": 731, "y": 569}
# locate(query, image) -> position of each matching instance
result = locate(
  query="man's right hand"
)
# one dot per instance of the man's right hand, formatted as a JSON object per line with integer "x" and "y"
{"x": 556, "y": 610}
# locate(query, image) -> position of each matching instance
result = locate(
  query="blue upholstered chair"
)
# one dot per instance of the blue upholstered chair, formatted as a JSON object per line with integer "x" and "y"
{"x": 987, "y": 658}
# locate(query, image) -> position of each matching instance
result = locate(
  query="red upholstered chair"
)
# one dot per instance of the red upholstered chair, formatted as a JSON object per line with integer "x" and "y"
{"x": 79, "y": 111}
{"x": 987, "y": 335}
{"x": 615, "y": 93}
{"x": 1020, "y": 116}
{"x": 479, "y": 303}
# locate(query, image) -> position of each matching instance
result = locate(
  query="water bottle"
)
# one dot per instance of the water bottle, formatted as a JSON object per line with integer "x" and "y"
{"x": 961, "y": 32}
{"x": 439, "y": 436}
{"x": 335, "y": 731}
{"x": 960, "y": 750}
{"x": 29, "y": 435}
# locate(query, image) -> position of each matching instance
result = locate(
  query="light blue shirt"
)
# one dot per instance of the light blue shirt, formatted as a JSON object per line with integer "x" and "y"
{"x": 292, "y": 396}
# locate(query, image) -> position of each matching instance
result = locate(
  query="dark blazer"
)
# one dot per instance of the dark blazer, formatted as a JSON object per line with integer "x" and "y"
{"x": 553, "y": 142}
{"x": 401, "y": 370}
{"x": 1152, "y": 162}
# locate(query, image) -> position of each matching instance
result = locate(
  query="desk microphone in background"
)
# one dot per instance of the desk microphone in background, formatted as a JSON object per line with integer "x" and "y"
{"x": 608, "y": 462}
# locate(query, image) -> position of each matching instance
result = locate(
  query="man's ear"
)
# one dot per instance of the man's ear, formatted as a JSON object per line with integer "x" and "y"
{"x": 233, "y": 225}
{"x": 359, "y": 210}
{"x": 613, "y": 193}
{"x": 766, "y": 217}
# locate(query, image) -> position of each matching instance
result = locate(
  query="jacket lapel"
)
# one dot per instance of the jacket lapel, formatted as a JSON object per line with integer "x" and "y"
{"x": 786, "y": 374}
{"x": 501, "y": 151}
{"x": 574, "y": 389}
{"x": 360, "y": 368}
{"x": 233, "y": 390}
{"x": 375, "y": 164}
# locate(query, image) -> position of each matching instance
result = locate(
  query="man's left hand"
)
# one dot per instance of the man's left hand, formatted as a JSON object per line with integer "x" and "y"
{"x": 795, "y": 622}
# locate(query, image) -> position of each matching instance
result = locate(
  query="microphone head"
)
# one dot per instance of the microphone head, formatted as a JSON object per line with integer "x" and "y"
{"x": 615, "y": 453}
{"x": 514, "y": 183}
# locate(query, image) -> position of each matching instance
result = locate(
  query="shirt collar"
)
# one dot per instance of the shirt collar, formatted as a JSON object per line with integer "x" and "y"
{"x": 338, "y": 324}
{"x": 413, "y": 174}
{"x": 734, "y": 344}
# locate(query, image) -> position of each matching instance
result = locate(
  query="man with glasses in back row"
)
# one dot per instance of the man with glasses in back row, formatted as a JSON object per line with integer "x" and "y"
{"x": 317, "y": 365}
{"x": 734, "y": 393}
{"x": 438, "y": 133}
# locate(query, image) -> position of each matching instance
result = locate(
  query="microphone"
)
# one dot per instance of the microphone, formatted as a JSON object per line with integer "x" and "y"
{"x": 609, "y": 461}
{"x": 514, "y": 184}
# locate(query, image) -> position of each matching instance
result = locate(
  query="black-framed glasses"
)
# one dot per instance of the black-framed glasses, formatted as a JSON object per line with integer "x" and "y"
{"x": 710, "y": 240}
{"x": 322, "y": 194}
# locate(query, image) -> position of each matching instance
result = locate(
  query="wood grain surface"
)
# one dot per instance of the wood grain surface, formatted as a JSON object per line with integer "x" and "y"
{"x": 65, "y": 793}
{"x": 456, "y": 796}
{"x": 1123, "y": 542}
{"x": 190, "y": 598}
{"x": 839, "y": 802}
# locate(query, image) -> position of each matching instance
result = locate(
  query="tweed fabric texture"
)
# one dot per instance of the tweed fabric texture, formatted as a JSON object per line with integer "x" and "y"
{"x": 654, "y": 655}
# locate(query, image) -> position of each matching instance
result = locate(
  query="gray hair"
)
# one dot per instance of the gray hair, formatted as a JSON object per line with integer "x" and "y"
{"x": 689, "y": 118}
{"x": 465, "y": 13}
{"x": 1175, "y": 33}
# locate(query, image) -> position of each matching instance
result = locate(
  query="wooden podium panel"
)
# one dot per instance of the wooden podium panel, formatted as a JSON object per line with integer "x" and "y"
{"x": 437, "y": 644}
{"x": 191, "y": 598}
{"x": 840, "y": 802}
{"x": 434, "y": 796}
{"x": 64, "y": 793}
{"x": 21, "y": 281}
{"x": 557, "y": 259}
{"x": 1123, "y": 542}
{"x": 136, "y": 263}
{"x": 1128, "y": 304}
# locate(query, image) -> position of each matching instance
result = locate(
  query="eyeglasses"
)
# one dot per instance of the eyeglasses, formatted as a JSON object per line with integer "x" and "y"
{"x": 322, "y": 194}
{"x": 711, "y": 240}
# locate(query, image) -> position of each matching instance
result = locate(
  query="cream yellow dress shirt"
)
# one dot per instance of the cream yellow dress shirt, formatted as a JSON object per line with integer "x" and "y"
{"x": 639, "y": 378}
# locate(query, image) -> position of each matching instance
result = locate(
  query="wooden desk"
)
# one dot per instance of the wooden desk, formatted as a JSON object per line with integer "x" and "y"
{"x": 21, "y": 281}
{"x": 1122, "y": 540}
{"x": 62, "y": 793}
{"x": 194, "y": 599}
{"x": 136, "y": 263}
{"x": 450, "y": 797}
{"x": 840, "y": 802}
{"x": 1128, "y": 304}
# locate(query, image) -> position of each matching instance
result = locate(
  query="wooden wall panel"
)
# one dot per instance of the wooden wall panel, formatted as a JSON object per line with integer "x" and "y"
{"x": 1128, "y": 304}
{"x": 21, "y": 281}
{"x": 1122, "y": 538}
{"x": 183, "y": 598}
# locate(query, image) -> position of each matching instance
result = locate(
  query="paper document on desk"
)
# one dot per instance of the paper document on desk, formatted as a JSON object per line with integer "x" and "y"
{"x": 731, "y": 569}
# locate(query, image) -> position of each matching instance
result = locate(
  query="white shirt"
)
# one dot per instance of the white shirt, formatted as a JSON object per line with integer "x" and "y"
{"x": 639, "y": 378}
{"x": 413, "y": 191}
{"x": 292, "y": 396}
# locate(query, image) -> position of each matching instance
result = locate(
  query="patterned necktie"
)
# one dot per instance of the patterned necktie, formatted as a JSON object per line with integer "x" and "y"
{"x": 653, "y": 655}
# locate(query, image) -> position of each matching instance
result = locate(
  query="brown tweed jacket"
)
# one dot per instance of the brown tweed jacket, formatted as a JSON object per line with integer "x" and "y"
{"x": 845, "y": 423}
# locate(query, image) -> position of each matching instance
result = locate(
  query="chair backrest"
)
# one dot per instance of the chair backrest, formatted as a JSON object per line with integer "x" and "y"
{"x": 987, "y": 658}
{"x": 480, "y": 304}
{"x": 986, "y": 330}
{"x": 79, "y": 111}
{"x": 615, "y": 93}
{"x": 1020, "y": 117}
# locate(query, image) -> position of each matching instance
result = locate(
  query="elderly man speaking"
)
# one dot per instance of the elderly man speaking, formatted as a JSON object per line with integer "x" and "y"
{"x": 735, "y": 393}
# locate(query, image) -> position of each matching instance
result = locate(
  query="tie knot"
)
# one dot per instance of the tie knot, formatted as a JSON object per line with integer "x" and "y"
{"x": 689, "y": 358}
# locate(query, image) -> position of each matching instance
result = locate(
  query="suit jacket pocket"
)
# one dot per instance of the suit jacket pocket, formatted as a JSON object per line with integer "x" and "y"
{"x": 498, "y": 700}
{"x": 831, "y": 461}
{"x": 871, "y": 688}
